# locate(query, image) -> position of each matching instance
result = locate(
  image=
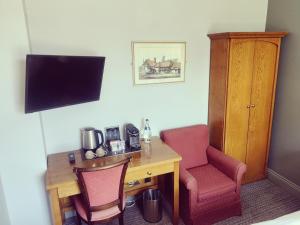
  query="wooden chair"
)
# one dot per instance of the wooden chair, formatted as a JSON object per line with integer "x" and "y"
{"x": 102, "y": 193}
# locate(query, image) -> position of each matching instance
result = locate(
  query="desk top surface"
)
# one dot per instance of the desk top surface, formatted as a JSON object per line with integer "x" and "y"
{"x": 60, "y": 171}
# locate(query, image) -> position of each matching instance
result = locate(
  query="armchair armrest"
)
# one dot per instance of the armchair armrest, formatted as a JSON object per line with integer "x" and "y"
{"x": 187, "y": 179}
{"x": 228, "y": 165}
{"x": 189, "y": 182}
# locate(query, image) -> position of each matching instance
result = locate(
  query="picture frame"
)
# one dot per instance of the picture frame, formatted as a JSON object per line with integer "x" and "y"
{"x": 158, "y": 62}
{"x": 112, "y": 134}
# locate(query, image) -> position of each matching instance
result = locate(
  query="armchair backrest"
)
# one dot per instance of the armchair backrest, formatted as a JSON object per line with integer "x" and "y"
{"x": 102, "y": 187}
{"x": 190, "y": 142}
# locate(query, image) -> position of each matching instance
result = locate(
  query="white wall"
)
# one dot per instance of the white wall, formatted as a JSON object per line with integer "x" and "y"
{"x": 107, "y": 28}
{"x": 4, "y": 218}
{"x": 284, "y": 151}
{"x": 22, "y": 158}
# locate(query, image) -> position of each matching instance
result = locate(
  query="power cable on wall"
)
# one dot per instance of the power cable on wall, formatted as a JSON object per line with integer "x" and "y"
{"x": 30, "y": 51}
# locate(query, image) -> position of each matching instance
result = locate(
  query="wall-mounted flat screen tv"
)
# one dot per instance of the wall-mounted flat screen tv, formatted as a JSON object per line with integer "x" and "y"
{"x": 54, "y": 81}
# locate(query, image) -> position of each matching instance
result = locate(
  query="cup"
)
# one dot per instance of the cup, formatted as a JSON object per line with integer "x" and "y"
{"x": 100, "y": 152}
{"x": 90, "y": 154}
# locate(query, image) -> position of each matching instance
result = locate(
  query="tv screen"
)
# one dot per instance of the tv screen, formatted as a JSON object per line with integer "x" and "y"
{"x": 56, "y": 81}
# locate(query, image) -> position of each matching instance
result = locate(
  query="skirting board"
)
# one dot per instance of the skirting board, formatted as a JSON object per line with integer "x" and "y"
{"x": 283, "y": 182}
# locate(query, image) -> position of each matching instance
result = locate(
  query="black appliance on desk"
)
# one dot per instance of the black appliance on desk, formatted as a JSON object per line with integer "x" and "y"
{"x": 132, "y": 137}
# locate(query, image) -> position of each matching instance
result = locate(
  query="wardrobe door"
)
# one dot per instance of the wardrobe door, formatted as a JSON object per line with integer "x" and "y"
{"x": 264, "y": 70}
{"x": 238, "y": 97}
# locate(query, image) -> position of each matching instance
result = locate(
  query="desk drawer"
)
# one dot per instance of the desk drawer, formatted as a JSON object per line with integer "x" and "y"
{"x": 149, "y": 171}
{"x": 131, "y": 174}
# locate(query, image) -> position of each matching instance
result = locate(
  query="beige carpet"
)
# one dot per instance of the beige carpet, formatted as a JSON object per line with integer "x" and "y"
{"x": 261, "y": 201}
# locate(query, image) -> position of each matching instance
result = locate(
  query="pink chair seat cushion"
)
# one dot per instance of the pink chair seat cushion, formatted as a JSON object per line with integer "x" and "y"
{"x": 212, "y": 183}
{"x": 99, "y": 215}
{"x": 189, "y": 142}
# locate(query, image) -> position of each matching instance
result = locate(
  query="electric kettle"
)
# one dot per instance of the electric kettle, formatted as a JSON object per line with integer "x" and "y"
{"x": 90, "y": 138}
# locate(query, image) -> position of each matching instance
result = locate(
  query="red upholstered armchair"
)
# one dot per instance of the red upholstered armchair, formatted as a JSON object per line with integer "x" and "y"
{"x": 209, "y": 180}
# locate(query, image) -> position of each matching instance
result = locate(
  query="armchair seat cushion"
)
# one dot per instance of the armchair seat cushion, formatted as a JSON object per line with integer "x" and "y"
{"x": 212, "y": 183}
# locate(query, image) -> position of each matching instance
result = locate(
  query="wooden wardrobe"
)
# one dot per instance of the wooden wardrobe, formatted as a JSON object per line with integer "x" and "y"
{"x": 243, "y": 72}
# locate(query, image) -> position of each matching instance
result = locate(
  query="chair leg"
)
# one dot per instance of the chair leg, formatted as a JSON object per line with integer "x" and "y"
{"x": 78, "y": 219}
{"x": 121, "y": 219}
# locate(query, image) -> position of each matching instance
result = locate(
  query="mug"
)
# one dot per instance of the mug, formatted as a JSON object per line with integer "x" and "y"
{"x": 100, "y": 152}
{"x": 90, "y": 154}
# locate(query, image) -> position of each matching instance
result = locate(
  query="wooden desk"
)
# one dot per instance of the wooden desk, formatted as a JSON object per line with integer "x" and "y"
{"x": 155, "y": 159}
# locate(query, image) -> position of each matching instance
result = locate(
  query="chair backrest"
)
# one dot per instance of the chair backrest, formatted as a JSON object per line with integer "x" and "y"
{"x": 189, "y": 142}
{"x": 102, "y": 187}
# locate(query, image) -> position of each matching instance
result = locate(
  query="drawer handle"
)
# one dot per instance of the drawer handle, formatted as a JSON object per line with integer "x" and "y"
{"x": 149, "y": 173}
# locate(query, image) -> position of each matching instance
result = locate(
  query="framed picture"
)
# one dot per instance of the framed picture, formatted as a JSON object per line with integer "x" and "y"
{"x": 112, "y": 134}
{"x": 158, "y": 62}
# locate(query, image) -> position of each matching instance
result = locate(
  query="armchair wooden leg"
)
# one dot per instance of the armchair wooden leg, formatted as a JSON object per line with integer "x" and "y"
{"x": 121, "y": 219}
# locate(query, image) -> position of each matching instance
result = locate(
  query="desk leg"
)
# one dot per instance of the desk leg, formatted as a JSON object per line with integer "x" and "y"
{"x": 176, "y": 194}
{"x": 55, "y": 207}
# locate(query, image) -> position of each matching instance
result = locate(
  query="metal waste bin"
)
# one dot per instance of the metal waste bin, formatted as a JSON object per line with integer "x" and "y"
{"x": 152, "y": 205}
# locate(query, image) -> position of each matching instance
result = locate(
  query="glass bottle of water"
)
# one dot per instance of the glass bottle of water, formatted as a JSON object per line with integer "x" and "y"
{"x": 147, "y": 132}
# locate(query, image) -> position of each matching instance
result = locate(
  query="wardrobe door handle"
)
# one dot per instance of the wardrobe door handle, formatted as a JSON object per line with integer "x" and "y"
{"x": 149, "y": 173}
{"x": 248, "y": 106}
{"x": 252, "y": 105}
